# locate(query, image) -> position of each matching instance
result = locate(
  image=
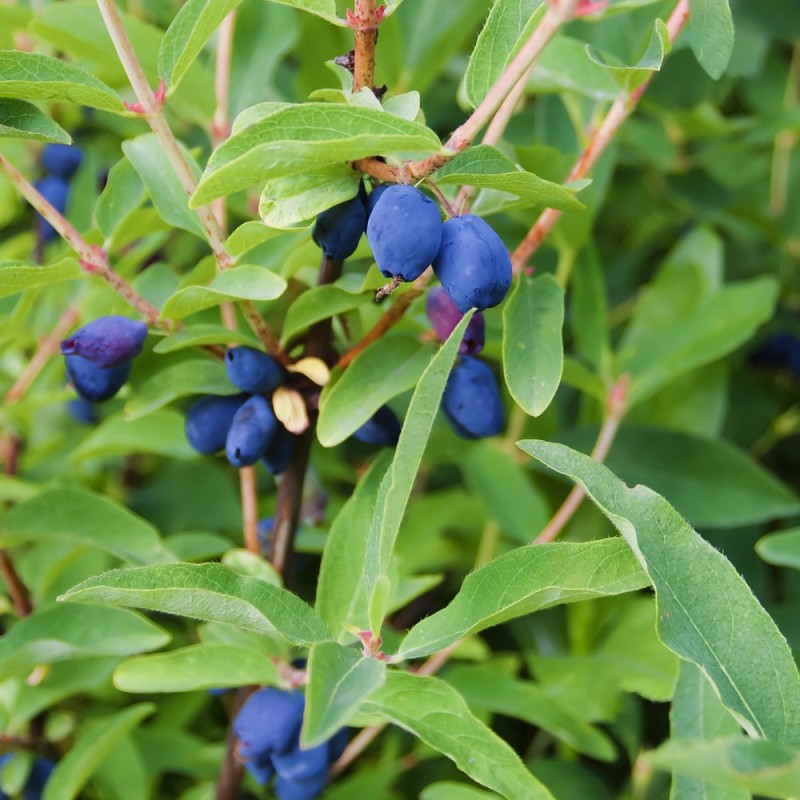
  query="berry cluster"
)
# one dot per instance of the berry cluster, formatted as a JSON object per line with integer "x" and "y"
{"x": 267, "y": 731}
{"x": 244, "y": 425}
{"x": 60, "y": 162}
{"x": 37, "y": 778}
{"x": 99, "y": 356}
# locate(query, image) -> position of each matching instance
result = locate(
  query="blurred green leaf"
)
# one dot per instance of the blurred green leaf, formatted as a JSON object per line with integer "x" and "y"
{"x": 448, "y": 790}
{"x": 196, "y": 335}
{"x": 781, "y": 548}
{"x": 21, "y": 120}
{"x": 15, "y": 276}
{"x": 318, "y": 303}
{"x": 711, "y": 34}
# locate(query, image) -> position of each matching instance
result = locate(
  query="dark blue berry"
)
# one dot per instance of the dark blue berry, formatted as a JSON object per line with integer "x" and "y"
{"x": 96, "y": 383}
{"x": 338, "y": 230}
{"x": 279, "y": 452}
{"x": 374, "y": 196}
{"x": 269, "y": 722}
{"x": 107, "y": 341}
{"x": 208, "y": 421}
{"x": 471, "y": 400}
{"x": 310, "y": 789}
{"x": 40, "y": 774}
{"x": 261, "y": 770}
{"x": 302, "y": 765}
{"x": 404, "y": 231}
{"x": 56, "y": 191}
{"x": 253, "y": 371}
{"x": 62, "y": 160}
{"x": 251, "y": 432}
{"x": 444, "y": 316}
{"x": 337, "y": 744}
{"x": 382, "y": 429}
{"x": 82, "y": 411}
{"x": 472, "y": 263}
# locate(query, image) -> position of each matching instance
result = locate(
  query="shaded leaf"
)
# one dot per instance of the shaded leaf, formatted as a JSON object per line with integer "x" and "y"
{"x": 318, "y": 303}
{"x": 16, "y": 276}
{"x": 21, "y": 120}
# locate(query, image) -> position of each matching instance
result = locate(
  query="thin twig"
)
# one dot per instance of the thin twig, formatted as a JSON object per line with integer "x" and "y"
{"x": 247, "y": 487}
{"x": 17, "y": 590}
{"x": 364, "y": 22}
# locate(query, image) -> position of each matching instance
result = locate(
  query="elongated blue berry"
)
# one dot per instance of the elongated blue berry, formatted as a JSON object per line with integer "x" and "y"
{"x": 278, "y": 454}
{"x": 62, "y": 160}
{"x": 107, "y": 341}
{"x": 252, "y": 429}
{"x": 309, "y": 789}
{"x": 96, "y": 383}
{"x": 253, "y": 371}
{"x": 472, "y": 263}
{"x": 404, "y": 231}
{"x": 208, "y": 421}
{"x": 381, "y": 429}
{"x": 444, "y": 316}
{"x": 471, "y": 400}
{"x": 302, "y": 765}
{"x": 56, "y": 191}
{"x": 338, "y": 230}
{"x": 269, "y": 722}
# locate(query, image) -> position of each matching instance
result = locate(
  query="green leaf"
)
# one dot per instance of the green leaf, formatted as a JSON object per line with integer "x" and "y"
{"x": 631, "y": 77}
{"x": 210, "y": 592}
{"x": 697, "y": 714}
{"x": 244, "y": 282}
{"x": 339, "y": 679}
{"x": 743, "y": 765}
{"x": 307, "y": 136}
{"x": 523, "y": 581}
{"x": 292, "y": 201}
{"x": 318, "y": 303}
{"x": 63, "y": 633}
{"x": 92, "y": 746}
{"x": 196, "y": 376}
{"x": 86, "y": 519}
{"x": 386, "y": 368}
{"x": 509, "y": 24}
{"x": 169, "y": 197}
{"x": 123, "y": 193}
{"x": 533, "y": 353}
{"x": 707, "y": 613}
{"x": 448, "y": 790}
{"x": 321, "y": 8}
{"x": 21, "y": 120}
{"x": 190, "y": 29}
{"x": 196, "y": 335}
{"x": 711, "y": 34}
{"x": 436, "y": 714}
{"x": 397, "y": 483}
{"x": 16, "y": 276}
{"x": 248, "y": 236}
{"x": 486, "y": 167}
{"x": 31, "y": 76}
{"x": 485, "y": 687}
{"x": 194, "y": 668}
{"x": 781, "y": 549}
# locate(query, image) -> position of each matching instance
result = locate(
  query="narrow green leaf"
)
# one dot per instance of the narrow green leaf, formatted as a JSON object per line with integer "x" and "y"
{"x": 339, "y": 679}
{"x": 707, "y": 613}
{"x": 244, "y": 282}
{"x": 386, "y": 368}
{"x": 711, "y": 34}
{"x": 62, "y": 633}
{"x": 31, "y": 76}
{"x": 21, "y": 120}
{"x": 123, "y": 193}
{"x": 92, "y": 746}
{"x": 194, "y": 668}
{"x": 16, "y": 276}
{"x": 487, "y": 167}
{"x": 397, "y": 483}
{"x": 209, "y": 592}
{"x": 533, "y": 353}
{"x": 190, "y": 29}
{"x": 437, "y": 714}
{"x": 86, "y": 519}
{"x": 318, "y": 303}
{"x": 196, "y": 376}
{"x": 307, "y": 136}
{"x": 523, "y": 581}
{"x": 742, "y": 765}
{"x": 781, "y": 549}
{"x": 195, "y": 335}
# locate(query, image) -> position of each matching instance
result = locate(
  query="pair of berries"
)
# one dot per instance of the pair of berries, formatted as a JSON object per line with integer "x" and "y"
{"x": 60, "y": 162}
{"x": 99, "y": 355}
{"x": 244, "y": 425}
{"x": 267, "y": 730}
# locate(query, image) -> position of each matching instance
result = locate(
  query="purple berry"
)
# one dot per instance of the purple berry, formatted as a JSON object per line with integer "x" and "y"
{"x": 107, "y": 341}
{"x": 62, "y": 160}
{"x": 471, "y": 400}
{"x": 444, "y": 316}
{"x": 252, "y": 430}
{"x": 208, "y": 421}
{"x": 253, "y": 371}
{"x": 95, "y": 383}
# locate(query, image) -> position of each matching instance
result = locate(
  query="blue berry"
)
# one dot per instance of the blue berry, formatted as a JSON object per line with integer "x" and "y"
{"x": 82, "y": 411}
{"x": 404, "y": 231}
{"x": 208, "y": 421}
{"x": 444, "y": 316}
{"x": 96, "y": 383}
{"x": 338, "y": 230}
{"x": 374, "y": 196}
{"x": 472, "y": 263}
{"x": 269, "y": 722}
{"x": 279, "y": 451}
{"x": 56, "y": 191}
{"x": 107, "y": 341}
{"x": 382, "y": 429}
{"x": 471, "y": 400}
{"x": 286, "y": 789}
{"x": 37, "y": 779}
{"x": 261, "y": 770}
{"x": 338, "y": 743}
{"x": 252, "y": 429}
{"x": 62, "y": 160}
{"x": 302, "y": 765}
{"x": 253, "y": 371}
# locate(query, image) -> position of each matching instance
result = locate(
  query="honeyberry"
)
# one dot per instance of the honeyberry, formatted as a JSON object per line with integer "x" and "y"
{"x": 472, "y": 263}
{"x": 338, "y": 230}
{"x": 37, "y": 778}
{"x": 208, "y": 421}
{"x": 253, "y": 371}
{"x": 279, "y": 451}
{"x": 381, "y": 429}
{"x": 302, "y": 765}
{"x": 252, "y": 429}
{"x": 286, "y": 789}
{"x": 56, "y": 191}
{"x": 107, "y": 341}
{"x": 471, "y": 400}
{"x": 444, "y": 316}
{"x": 96, "y": 383}
{"x": 269, "y": 722}
{"x": 62, "y": 160}
{"x": 82, "y": 411}
{"x": 374, "y": 196}
{"x": 404, "y": 231}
